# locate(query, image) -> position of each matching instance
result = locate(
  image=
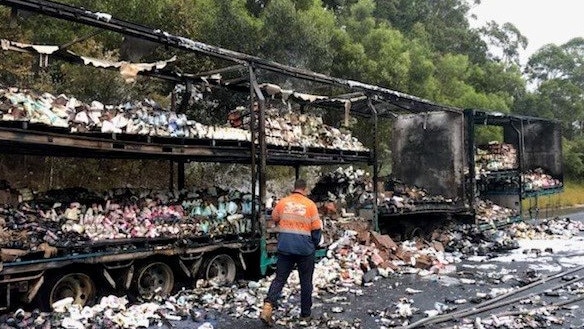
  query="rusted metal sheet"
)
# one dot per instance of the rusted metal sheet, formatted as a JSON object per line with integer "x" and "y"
{"x": 429, "y": 151}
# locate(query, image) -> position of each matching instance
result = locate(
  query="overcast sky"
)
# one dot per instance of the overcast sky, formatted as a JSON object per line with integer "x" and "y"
{"x": 541, "y": 21}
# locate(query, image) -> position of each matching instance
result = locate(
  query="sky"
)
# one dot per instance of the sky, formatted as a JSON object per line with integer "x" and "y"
{"x": 541, "y": 21}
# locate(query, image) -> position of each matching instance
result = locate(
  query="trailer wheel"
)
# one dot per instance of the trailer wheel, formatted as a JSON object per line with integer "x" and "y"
{"x": 153, "y": 279}
{"x": 78, "y": 286}
{"x": 412, "y": 231}
{"x": 220, "y": 269}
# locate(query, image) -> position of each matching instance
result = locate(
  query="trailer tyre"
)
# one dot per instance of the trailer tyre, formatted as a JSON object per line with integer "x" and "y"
{"x": 414, "y": 232}
{"x": 153, "y": 279}
{"x": 219, "y": 269}
{"x": 76, "y": 285}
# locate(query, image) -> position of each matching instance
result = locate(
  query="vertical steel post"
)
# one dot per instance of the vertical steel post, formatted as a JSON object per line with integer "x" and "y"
{"x": 297, "y": 171}
{"x": 464, "y": 158}
{"x": 469, "y": 116}
{"x": 171, "y": 178}
{"x": 265, "y": 259}
{"x": 522, "y": 170}
{"x": 375, "y": 164}
{"x": 262, "y": 147}
{"x": 173, "y": 101}
{"x": 521, "y": 152}
{"x": 181, "y": 174}
{"x": 252, "y": 129}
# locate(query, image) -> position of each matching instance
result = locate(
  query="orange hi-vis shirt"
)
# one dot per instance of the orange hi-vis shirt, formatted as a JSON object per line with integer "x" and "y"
{"x": 296, "y": 214}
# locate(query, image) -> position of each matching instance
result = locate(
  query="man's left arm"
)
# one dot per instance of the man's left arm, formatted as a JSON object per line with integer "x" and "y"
{"x": 315, "y": 226}
{"x": 277, "y": 212}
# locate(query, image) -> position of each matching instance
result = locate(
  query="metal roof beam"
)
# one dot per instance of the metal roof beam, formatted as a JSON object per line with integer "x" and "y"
{"x": 106, "y": 21}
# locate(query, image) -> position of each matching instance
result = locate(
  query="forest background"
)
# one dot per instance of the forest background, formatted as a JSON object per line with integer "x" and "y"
{"x": 423, "y": 48}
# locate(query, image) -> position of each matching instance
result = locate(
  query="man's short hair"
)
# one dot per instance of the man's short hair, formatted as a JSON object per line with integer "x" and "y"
{"x": 300, "y": 184}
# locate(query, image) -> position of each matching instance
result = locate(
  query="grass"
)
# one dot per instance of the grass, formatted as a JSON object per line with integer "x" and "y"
{"x": 573, "y": 196}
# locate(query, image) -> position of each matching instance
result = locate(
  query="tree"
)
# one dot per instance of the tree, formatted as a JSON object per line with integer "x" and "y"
{"x": 298, "y": 36}
{"x": 562, "y": 62}
{"x": 504, "y": 41}
{"x": 558, "y": 74}
{"x": 445, "y": 21}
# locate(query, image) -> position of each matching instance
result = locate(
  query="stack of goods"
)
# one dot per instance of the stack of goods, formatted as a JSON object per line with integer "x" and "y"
{"x": 141, "y": 118}
{"x": 285, "y": 127}
{"x": 398, "y": 197}
{"x": 123, "y": 214}
{"x": 348, "y": 187}
{"x": 538, "y": 180}
{"x": 488, "y": 212}
{"x": 495, "y": 156}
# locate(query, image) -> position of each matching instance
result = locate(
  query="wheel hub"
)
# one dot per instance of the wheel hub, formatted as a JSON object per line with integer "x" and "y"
{"x": 78, "y": 286}
{"x": 221, "y": 270}
{"x": 155, "y": 279}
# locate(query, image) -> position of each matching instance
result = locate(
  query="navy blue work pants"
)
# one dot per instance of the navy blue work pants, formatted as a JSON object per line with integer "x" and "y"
{"x": 284, "y": 267}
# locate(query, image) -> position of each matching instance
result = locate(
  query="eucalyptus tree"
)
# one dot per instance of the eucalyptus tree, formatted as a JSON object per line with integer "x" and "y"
{"x": 557, "y": 72}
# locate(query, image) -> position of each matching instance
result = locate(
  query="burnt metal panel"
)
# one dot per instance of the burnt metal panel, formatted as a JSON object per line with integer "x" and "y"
{"x": 428, "y": 151}
{"x": 543, "y": 147}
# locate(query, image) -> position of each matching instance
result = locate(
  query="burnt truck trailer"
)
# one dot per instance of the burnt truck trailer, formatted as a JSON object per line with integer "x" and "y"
{"x": 438, "y": 151}
{"x": 146, "y": 267}
{"x": 538, "y": 145}
{"x": 61, "y": 265}
{"x": 432, "y": 149}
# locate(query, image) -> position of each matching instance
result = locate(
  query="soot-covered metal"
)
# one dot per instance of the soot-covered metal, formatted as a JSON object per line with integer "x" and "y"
{"x": 428, "y": 151}
{"x": 543, "y": 146}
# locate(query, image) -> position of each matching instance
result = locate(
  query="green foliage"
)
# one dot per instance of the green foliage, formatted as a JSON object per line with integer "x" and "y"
{"x": 425, "y": 48}
{"x": 506, "y": 39}
{"x": 486, "y": 134}
{"x": 296, "y": 36}
{"x": 387, "y": 49}
{"x": 573, "y": 151}
{"x": 558, "y": 74}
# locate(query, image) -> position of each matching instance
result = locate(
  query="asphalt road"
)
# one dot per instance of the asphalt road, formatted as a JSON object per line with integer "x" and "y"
{"x": 375, "y": 306}
{"x": 437, "y": 292}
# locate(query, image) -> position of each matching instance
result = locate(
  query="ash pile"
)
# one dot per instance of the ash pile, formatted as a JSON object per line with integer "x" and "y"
{"x": 343, "y": 196}
{"x": 351, "y": 191}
